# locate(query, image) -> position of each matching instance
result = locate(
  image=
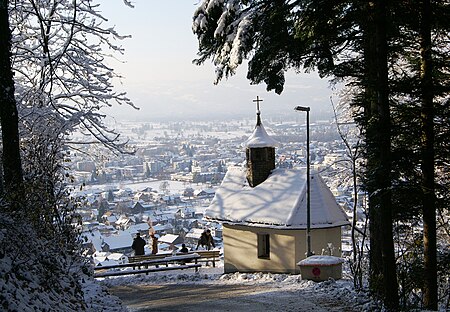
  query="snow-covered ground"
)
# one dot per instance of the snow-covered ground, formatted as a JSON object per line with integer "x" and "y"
{"x": 266, "y": 288}
{"x": 98, "y": 299}
{"x": 256, "y": 291}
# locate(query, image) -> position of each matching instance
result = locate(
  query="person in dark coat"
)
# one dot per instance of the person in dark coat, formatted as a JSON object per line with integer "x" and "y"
{"x": 138, "y": 245}
{"x": 206, "y": 240}
{"x": 184, "y": 248}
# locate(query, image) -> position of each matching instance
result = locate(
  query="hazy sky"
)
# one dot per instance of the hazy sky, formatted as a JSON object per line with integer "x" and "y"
{"x": 161, "y": 79}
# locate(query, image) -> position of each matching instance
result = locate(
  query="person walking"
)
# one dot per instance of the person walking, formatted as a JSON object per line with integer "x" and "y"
{"x": 206, "y": 240}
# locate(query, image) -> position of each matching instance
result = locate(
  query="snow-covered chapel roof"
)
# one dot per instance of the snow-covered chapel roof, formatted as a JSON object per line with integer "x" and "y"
{"x": 280, "y": 201}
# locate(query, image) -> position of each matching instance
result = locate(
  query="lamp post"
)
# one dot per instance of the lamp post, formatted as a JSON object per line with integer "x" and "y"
{"x": 308, "y": 190}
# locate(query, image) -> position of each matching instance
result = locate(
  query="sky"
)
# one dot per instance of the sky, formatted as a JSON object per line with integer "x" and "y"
{"x": 161, "y": 80}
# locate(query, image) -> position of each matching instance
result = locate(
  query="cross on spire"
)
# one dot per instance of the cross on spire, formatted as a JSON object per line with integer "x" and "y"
{"x": 258, "y": 112}
{"x": 257, "y": 103}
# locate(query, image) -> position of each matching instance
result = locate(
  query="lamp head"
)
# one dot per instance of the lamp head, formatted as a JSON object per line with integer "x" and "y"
{"x": 302, "y": 108}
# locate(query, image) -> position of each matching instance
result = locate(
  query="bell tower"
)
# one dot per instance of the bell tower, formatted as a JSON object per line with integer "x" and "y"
{"x": 260, "y": 152}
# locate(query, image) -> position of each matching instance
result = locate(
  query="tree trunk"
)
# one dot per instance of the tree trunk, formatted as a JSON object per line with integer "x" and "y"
{"x": 427, "y": 166}
{"x": 383, "y": 276}
{"x": 375, "y": 270}
{"x": 383, "y": 176}
{"x": 12, "y": 167}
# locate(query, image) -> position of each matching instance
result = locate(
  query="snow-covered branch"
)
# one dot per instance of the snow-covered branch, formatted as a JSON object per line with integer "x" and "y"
{"x": 223, "y": 29}
{"x": 60, "y": 49}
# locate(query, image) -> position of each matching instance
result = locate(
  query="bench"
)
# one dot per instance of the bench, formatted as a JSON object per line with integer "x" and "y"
{"x": 133, "y": 259}
{"x": 146, "y": 271}
{"x": 208, "y": 255}
{"x": 205, "y": 256}
{"x": 179, "y": 262}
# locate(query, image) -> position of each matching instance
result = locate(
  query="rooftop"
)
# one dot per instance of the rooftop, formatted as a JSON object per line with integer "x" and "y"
{"x": 280, "y": 201}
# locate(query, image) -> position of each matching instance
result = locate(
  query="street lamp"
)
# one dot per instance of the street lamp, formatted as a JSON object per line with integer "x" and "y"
{"x": 308, "y": 190}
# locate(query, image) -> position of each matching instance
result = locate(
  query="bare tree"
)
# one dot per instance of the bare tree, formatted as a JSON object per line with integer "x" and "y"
{"x": 60, "y": 53}
{"x": 353, "y": 158}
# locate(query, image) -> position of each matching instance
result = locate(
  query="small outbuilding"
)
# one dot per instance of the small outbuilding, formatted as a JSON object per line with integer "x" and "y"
{"x": 263, "y": 212}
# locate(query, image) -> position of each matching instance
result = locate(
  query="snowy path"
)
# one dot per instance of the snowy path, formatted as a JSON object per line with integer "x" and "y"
{"x": 211, "y": 290}
{"x": 213, "y": 297}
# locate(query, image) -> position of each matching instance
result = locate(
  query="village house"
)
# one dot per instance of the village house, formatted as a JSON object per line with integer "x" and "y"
{"x": 171, "y": 240}
{"x": 193, "y": 236}
{"x": 216, "y": 230}
{"x": 188, "y": 192}
{"x": 123, "y": 205}
{"x": 142, "y": 196}
{"x": 185, "y": 213}
{"x": 124, "y": 222}
{"x": 162, "y": 229}
{"x": 263, "y": 212}
{"x": 182, "y": 231}
{"x": 118, "y": 243}
{"x": 107, "y": 258}
{"x": 92, "y": 241}
{"x": 204, "y": 193}
{"x": 141, "y": 228}
{"x": 87, "y": 214}
{"x": 110, "y": 218}
{"x": 137, "y": 208}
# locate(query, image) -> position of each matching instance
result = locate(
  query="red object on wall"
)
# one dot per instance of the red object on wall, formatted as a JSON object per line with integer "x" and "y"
{"x": 316, "y": 271}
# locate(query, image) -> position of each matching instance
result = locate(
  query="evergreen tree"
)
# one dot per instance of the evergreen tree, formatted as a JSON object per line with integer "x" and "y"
{"x": 147, "y": 172}
{"x": 110, "y": 196}
{"x": 422, "y": 89}
{"x": 102, "y": 209}
{"x": 427, "y": 166}
{"x": 378, "y": 138}
{"x": 220, "y": 167}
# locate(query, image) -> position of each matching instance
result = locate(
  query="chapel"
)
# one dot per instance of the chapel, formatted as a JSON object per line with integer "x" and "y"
{"x": 263, "y": 212}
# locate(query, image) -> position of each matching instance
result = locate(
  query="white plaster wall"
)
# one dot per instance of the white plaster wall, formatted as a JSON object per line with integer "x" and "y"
{"x": 287, "y": 248}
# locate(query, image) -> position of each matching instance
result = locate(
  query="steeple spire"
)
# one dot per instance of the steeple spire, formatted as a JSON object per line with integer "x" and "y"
{"x": 260, "y": 152}
{"x": 258, "y": 112}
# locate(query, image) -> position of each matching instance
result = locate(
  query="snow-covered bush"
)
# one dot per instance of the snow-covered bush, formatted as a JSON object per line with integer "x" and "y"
{"x": 37, "y": 275}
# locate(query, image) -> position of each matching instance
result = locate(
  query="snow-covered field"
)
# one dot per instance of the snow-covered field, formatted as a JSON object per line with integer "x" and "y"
{"x": 173, "y": 186}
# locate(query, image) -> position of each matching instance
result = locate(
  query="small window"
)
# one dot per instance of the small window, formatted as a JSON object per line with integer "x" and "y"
{"x": 264, "y": 246}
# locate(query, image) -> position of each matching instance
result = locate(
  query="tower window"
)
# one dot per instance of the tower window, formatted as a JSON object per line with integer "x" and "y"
{"x": 263, "y": 246}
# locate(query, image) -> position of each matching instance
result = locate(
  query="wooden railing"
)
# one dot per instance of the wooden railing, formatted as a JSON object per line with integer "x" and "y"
{"x": 177, "y": 262}
{"x": 205, "y": 256}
